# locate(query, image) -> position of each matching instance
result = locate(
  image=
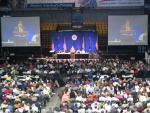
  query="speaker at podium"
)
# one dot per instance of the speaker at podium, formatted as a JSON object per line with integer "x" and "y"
{"x": 72, "y": 52}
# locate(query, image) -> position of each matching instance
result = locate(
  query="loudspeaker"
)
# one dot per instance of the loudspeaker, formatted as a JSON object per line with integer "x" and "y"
{"x": 77, "y": 18}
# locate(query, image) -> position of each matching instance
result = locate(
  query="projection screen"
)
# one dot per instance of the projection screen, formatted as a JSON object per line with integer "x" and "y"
{"x": 20, "y": 31}
{"x": 128, "y": 30}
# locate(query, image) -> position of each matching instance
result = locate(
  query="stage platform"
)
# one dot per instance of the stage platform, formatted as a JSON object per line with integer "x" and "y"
{"x": 77, "y": 55}
{"x": 59, "y": 57}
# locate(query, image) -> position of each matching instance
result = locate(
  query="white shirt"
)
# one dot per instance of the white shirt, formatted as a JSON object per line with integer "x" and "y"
{"x": 34, "y": 38}
{"x": 107, "y": 107}
{"x": 100, "y": 110}
{"x": 108, "y": 99}
{"x": 130, "y": 99}
{"x": 82, "y": 110}
{"x": 16, "y": 91}
{"x": 142, "y": 98}
{"x": 136, "y": 88}
{"x": 34, "y": 108}
{"x": 102, "y": 99}
{"x": 79, "y": 98}
{"x": 95, "y": 104}
{"x": 27, "y": 108}
{"x": 142, "y": 36}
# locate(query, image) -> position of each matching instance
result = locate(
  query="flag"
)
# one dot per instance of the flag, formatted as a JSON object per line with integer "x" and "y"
{"x": 52, "y": 45}
{"x": 89, "y": 42}
{"x": 83, "y": 44}
{"x": 96, "y": 45}
{"x": 58, "y": 44}
{"x": 65, "y": 47}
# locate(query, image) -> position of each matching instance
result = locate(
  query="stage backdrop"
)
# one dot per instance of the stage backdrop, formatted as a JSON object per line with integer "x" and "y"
{"x": 65, "y": 40}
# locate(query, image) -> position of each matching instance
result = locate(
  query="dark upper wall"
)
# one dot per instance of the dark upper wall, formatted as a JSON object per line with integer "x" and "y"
{"x": 46, "y": 15}
{"x": 65, "y": 15}
{"x": 98, "y": 15}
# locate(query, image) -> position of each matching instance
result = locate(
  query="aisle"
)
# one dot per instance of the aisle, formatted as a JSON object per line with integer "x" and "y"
{"x": 54, "y": 102}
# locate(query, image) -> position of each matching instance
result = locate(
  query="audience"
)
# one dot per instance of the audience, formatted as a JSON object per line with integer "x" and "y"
{"x": 87, "y": 86}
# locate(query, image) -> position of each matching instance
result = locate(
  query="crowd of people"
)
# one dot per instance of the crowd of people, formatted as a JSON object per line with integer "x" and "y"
{"x": 87, "y": 86}
{"x": 23, "y": 88}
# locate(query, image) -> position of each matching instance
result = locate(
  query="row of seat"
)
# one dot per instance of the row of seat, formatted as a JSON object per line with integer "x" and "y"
{"x": 69, "y": 24}
{"x": 101, "y": 27}
{"x": 53, "y": 26}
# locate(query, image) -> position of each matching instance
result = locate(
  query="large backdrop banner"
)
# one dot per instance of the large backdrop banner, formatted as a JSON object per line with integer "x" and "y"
{"x": 79, "y": 40}
{"x": 82, "y": 3}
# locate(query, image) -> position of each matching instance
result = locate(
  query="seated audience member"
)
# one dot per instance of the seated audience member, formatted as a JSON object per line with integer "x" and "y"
{"x": 66, "y": 96}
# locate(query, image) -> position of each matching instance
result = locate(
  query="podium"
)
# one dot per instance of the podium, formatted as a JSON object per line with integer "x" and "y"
{"x": 72, "y": 55}
{"x": 20, "y": 38}
{"x": 127, "y": 36}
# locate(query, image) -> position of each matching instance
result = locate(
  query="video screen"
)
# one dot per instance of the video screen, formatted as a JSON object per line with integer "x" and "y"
{"x": 128, "y": 30}
{"x": 20, "y": 31}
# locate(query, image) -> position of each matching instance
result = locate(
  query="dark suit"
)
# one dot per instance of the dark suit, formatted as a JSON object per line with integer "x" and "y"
{"x": 19, "y": 29}
{"x": 124, "y": 27}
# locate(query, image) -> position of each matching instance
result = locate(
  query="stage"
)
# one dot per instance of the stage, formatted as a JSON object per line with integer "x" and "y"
{"x": 77, "y": 55}
{"x": 50, "y": 57}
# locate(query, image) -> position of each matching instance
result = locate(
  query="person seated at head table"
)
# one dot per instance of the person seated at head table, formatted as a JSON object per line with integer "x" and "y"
{"x": 64, "y": 51}
{"x": 143, "y": 36}
{"x": 59, "y": 51}
{"x": 36, "y": 38}
{"x": 78, "y": 51}
{"x": 83, "y": 51}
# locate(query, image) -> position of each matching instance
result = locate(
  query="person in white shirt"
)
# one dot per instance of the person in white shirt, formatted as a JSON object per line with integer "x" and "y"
{"x": 36, "y": 37}
{"x": 34, "y": 108}
{"x": 81, "y": 110}
{"x": 89, "y": 110}
{"x": 107, "y": 107}
{"x": 136, "y": 88}
{"x": 16, "y": 91}
{"x": 79, "y": 98}
{"x": 83, "y": 51}
{"x": 101, "y": 109}
{"x": 130, "y": 98}
{"x": 95, "y": 104}
{"x": 5, "y": 76}
{"x": 142, "y": 98}
{"x": 102, "y": 99}
{"x": 143, "y": 36}
{"x": 95, "y": 108}
{"x": 108, "y": 98}
{"x": 27, "y": 107}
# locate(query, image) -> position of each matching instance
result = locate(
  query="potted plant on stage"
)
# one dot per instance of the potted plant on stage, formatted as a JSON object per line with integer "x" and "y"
{"x": 54, "y": 56}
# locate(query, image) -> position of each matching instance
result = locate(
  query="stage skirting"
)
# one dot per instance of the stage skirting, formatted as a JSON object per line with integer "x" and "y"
{"x": 77, "y": 56}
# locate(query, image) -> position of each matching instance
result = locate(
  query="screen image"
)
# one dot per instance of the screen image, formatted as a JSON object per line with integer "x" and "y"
{"x": 20, "y": 31}
{"x": 128, "y": 30}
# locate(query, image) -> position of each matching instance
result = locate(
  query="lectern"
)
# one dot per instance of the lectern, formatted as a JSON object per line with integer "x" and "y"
{"x": 20, "y": 38}
{"x": 127, "y": 36}
{"x": 72, "y": 55}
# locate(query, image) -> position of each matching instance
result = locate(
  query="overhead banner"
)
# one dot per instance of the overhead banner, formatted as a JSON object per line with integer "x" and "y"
{"x": 82, "y": 3}
{"x": 50, "y": 3}
{"x": 102, "y": 3}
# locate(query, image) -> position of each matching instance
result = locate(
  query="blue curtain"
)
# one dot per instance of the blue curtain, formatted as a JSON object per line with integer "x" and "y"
{"x": 89, "y": 40}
